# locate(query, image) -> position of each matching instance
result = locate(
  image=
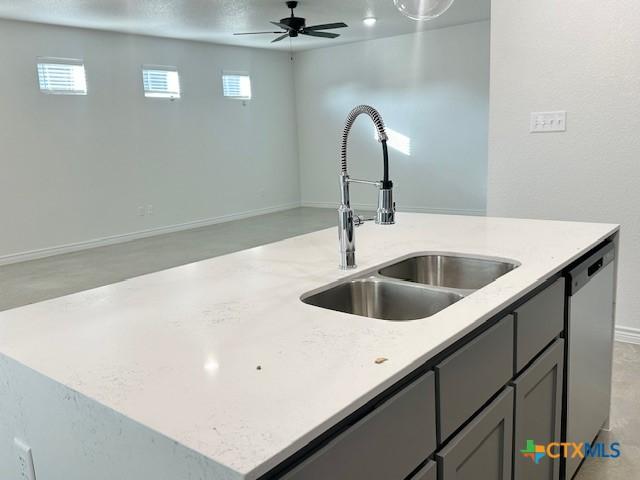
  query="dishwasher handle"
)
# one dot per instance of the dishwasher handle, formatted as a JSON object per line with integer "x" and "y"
{"x": 593, "y": 269}
{"x": 581, "y": 274}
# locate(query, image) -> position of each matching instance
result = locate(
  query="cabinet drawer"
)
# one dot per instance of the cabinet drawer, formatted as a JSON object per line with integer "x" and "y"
{"x": 472, "y": 375}
{"x": 538, "y": 322}
{"x": 428, "y": 472}
{"x": 538, "y": 402}
{"x": 483, "y": 449}
{"x": 389, "y": 443}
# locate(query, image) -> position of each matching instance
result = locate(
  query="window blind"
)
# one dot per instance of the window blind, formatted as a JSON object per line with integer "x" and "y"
{"x": 236, "y": 85}
{"x": 62, "y": 77}
{"x": 161, "y": 83}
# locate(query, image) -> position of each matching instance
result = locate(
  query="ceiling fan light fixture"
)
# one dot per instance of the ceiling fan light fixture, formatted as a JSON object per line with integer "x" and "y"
{"x": 369, "y": 21}
{"x": 422, "y": 10}
{"x": 293, "y": 26}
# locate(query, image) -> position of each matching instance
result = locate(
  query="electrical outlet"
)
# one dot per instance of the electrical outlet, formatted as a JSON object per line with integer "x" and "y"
{"x": 141, "y": 211}
{"x": 26, "y": 470}
{"x": 543, "y": 122}
{"x": 149, "y": 209}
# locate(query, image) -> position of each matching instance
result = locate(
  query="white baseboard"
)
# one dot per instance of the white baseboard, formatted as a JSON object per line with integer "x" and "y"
{"x": 628, "y": 335}
{"x": 127, "y": 237}
{"x": 360, "y": 206}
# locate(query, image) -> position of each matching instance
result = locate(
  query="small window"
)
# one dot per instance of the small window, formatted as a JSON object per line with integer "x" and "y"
{"x": 161, "y": 82}
{"x": 236, "y": 85}
{"x": 62, "y": 76}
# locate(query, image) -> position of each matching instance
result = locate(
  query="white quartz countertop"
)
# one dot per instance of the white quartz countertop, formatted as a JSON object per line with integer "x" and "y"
{"x": 187, "y": 341}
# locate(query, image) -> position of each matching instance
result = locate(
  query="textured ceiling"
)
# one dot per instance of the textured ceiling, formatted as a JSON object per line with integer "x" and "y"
{"x": 215, "y": 20}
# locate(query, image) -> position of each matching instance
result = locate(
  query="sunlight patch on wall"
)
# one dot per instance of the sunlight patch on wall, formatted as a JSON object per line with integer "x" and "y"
{"x": 397, "y": 141}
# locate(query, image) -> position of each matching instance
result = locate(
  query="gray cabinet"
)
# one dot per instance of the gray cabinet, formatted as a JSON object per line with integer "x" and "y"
{"x": 472, "y": 375}
{"x": 483, "y": 449}
{"x": 471, "y": 408}
{"x": 538, "y": 412}
{"x": 428, "y": 472}
{"x": 538, "y": 322}
{"x": 389, "y": 443}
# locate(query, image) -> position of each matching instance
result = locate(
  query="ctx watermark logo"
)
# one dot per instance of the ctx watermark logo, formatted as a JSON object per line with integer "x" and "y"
{"x": 537, "y": 452}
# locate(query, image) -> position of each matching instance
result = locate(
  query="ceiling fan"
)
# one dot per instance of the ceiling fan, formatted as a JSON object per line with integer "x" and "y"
{"x": 293, "y": 26}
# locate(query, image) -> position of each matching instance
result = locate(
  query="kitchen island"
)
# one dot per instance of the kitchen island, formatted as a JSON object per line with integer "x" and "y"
{"x": 218, "y": 370}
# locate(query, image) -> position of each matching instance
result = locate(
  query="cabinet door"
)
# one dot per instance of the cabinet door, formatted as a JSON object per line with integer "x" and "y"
{"x": 387, "y": 444}
{"x": 538, "y": 322}
{"x": 471, "y": 376}
{"x": 428, "y": 472}
{"x": 482, "y": 450}
{"x": 538, "y": 413}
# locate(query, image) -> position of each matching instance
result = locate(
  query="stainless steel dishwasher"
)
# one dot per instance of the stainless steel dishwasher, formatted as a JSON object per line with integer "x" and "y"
{"x": 591, "y": 291}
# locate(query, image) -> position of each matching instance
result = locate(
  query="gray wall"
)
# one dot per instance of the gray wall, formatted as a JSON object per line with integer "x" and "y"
{"x": 432, "y": 87}
{"x": 582, "y": 57}
{"x": 76, "y": 169}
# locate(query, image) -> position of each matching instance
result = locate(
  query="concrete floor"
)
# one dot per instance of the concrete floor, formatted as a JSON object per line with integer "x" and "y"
{"x": 38, "y": 280}
{"x": 625, "y": 421}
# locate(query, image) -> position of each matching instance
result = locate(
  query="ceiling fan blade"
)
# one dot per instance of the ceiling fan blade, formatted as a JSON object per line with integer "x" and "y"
{"x": 320, "y": 34}
{"x": 327, "y": 26}
{"x": 282, "y": 37}
{"x": 254, "y": 33}
{"x": 281, "y": 25}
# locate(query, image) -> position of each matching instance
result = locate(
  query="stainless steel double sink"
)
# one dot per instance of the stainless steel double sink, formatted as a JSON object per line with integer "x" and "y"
{"x": 410, "y": 288}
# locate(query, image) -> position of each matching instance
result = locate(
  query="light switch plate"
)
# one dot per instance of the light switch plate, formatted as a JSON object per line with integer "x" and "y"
{"x": 544, "y": 122}
{"x": 26, "y": 470}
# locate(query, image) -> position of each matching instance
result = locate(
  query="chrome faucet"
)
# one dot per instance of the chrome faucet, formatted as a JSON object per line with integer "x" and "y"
{"x": 385, "y": 214}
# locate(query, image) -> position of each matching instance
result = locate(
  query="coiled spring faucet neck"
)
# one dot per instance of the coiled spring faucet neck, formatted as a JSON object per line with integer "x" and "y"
{"x": 351, "y": 118}
{"x": 385, "y": 214}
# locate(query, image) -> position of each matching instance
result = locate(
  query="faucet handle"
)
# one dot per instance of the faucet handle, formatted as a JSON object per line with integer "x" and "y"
{"x": 361, "y": 219}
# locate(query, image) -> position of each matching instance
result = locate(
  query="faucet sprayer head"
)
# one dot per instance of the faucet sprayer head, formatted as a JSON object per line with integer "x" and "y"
{"x": 386, "y": 212}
